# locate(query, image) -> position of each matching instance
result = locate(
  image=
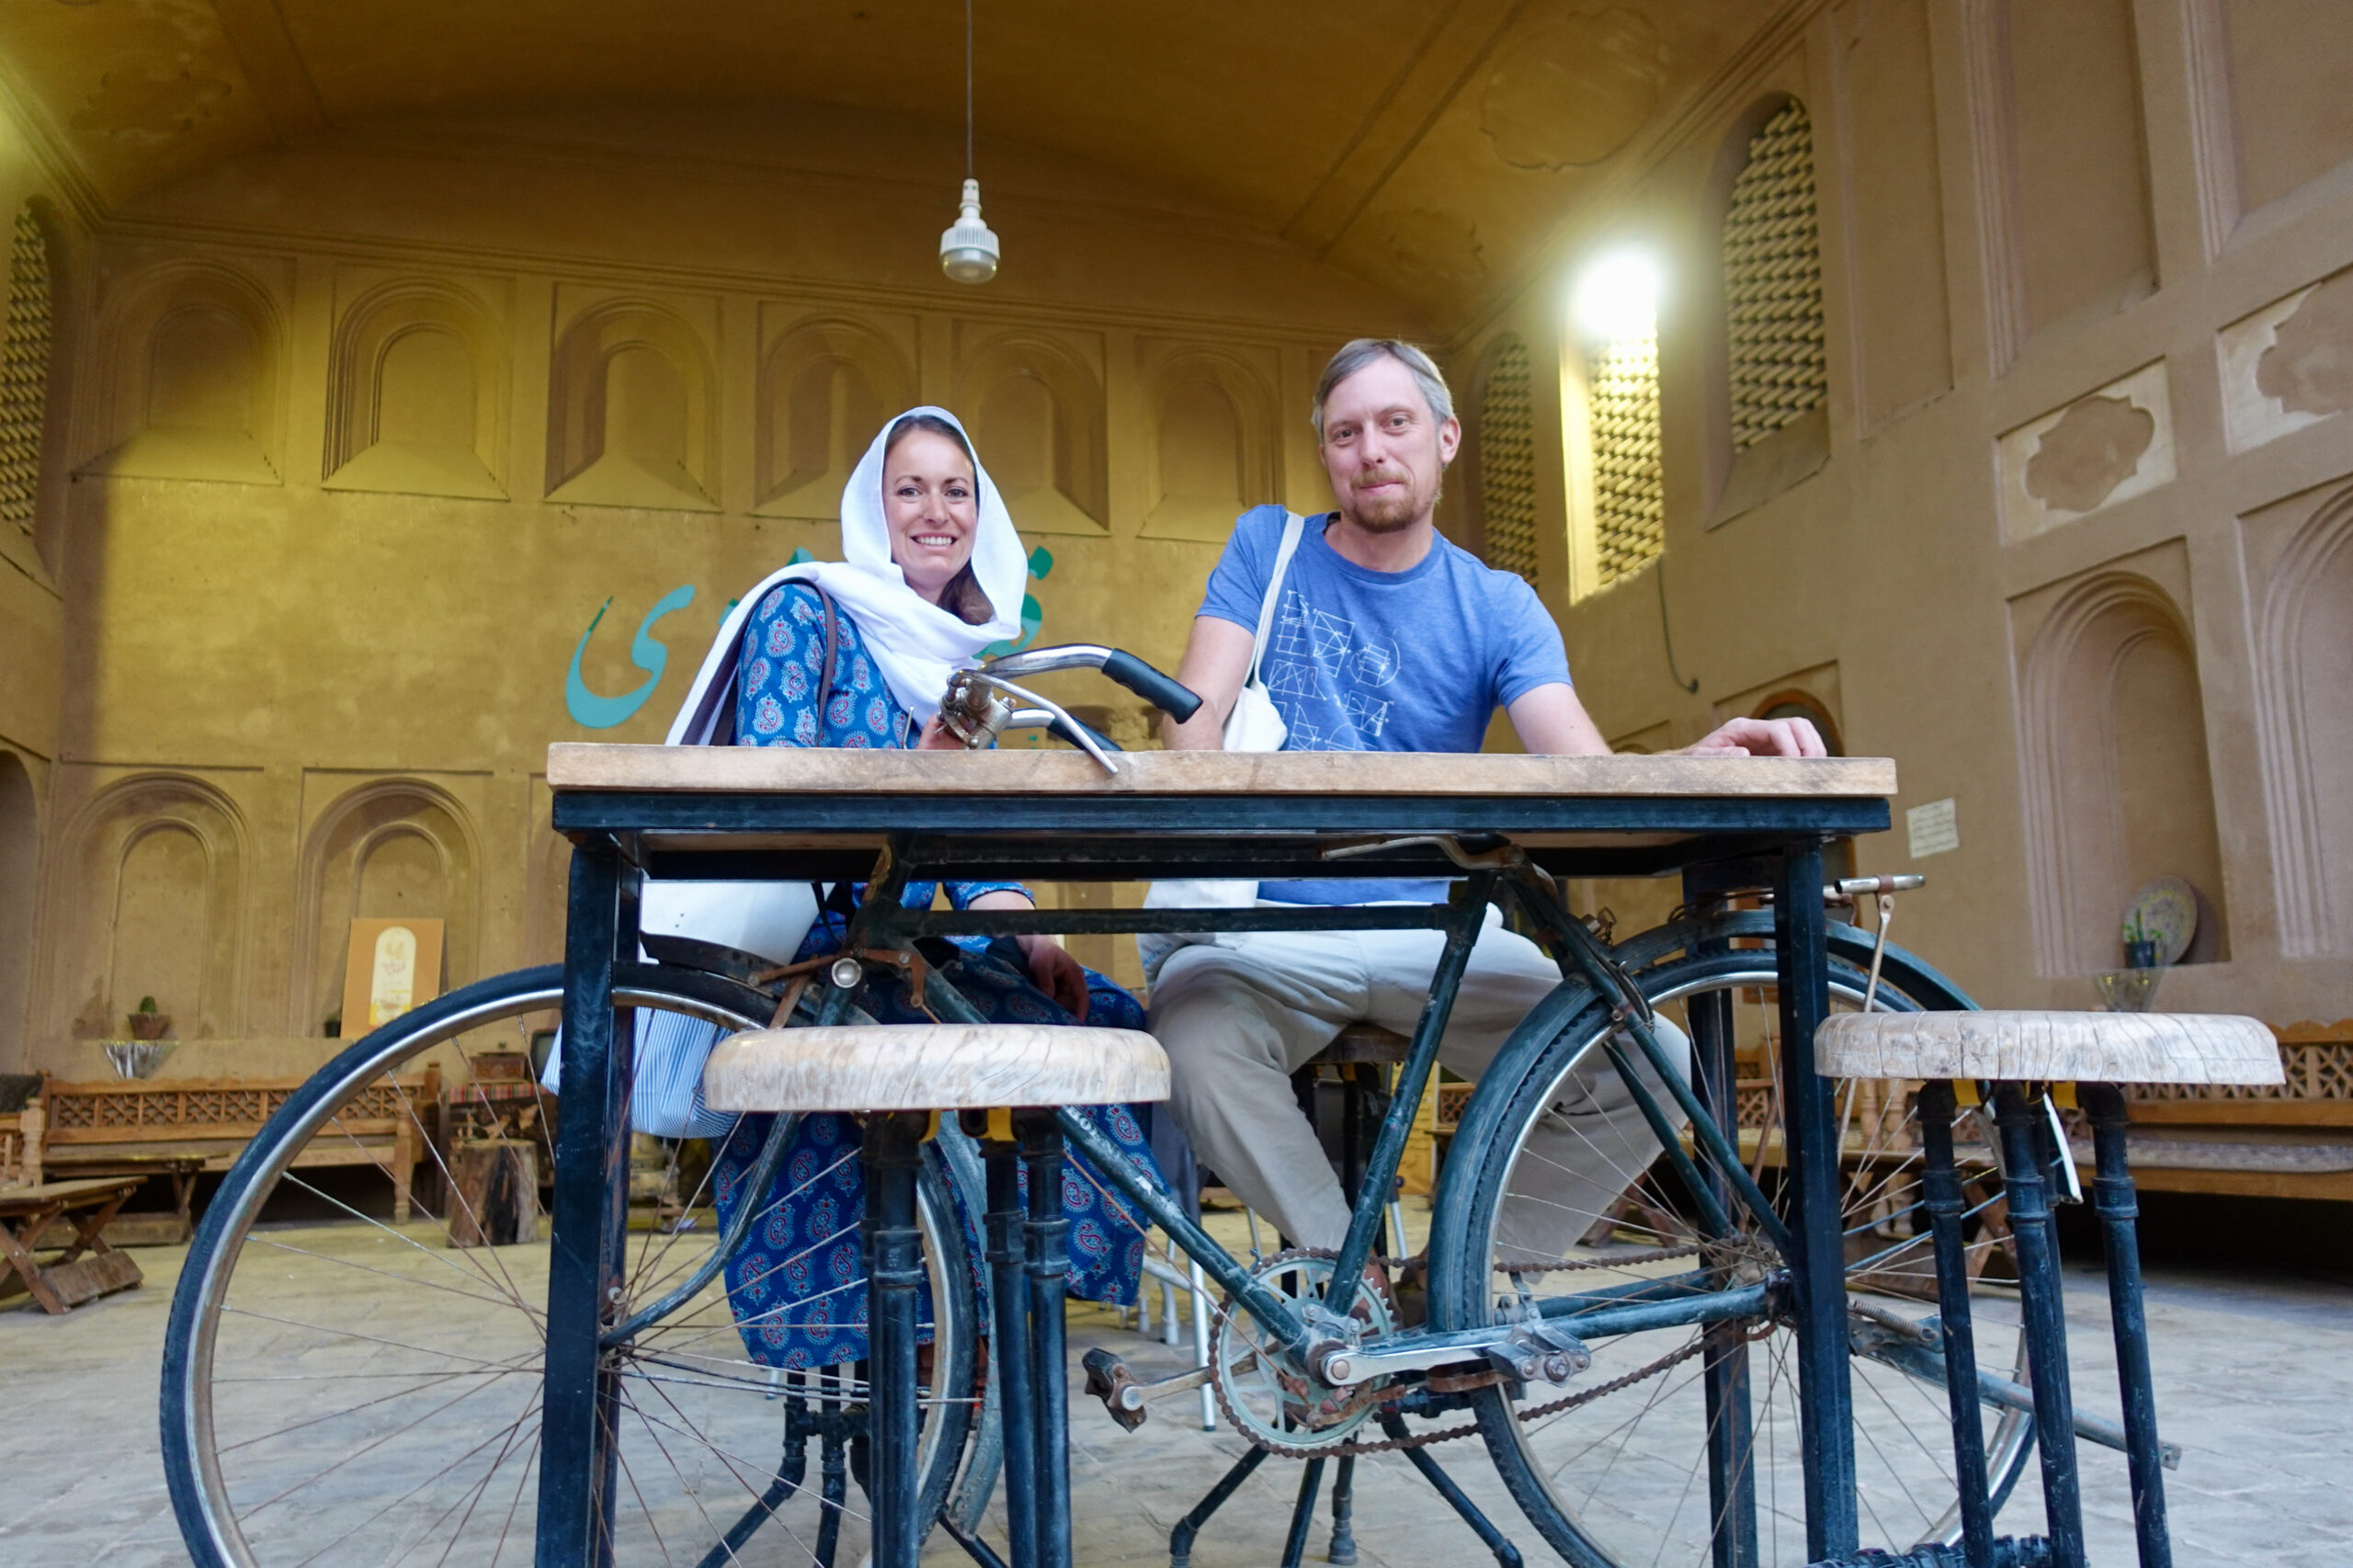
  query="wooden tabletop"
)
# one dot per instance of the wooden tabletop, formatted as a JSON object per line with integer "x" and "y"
{"x": 575, "y": 765}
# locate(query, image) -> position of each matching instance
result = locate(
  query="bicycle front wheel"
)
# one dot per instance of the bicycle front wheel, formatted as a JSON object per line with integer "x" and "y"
{"x": 341, "y": 1379}
{"x": 1640, "y": 1460}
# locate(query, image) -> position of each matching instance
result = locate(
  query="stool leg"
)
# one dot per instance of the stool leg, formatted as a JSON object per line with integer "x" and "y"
{"x": 2113, "y": 1197}
{"x": 1302, "y": 1513}
{"x": 2044, "y": 1311}
{"x": 894, "y": 1273}
{"x": 1344, "y": 1497}
{"x": 1941, "y": 1184}
{"x": 1048, "y": 1267}
{"x": 1009, "y": 1300}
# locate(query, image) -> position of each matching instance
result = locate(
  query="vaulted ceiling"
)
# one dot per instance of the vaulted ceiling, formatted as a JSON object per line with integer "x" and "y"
{"x": 1430, "y": 146}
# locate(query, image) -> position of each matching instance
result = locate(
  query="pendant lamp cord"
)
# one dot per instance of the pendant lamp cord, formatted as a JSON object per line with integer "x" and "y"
{"x": 1666, "y": 632}
{"x": 968, "y": 89}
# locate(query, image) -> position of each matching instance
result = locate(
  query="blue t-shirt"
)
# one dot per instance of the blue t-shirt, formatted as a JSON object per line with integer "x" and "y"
{"x": 1360, "y": 660}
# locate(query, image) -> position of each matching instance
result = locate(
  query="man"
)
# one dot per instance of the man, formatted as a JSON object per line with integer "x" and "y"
{"x": 1388, "y": 638}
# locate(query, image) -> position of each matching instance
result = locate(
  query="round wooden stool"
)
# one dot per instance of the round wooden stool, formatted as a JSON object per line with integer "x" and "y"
{"x": 2008, "y": 1051}
{"x": 1008, "y": 1079}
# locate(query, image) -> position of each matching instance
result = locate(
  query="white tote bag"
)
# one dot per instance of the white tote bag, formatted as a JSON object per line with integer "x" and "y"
{"x": 1256, "y": 724}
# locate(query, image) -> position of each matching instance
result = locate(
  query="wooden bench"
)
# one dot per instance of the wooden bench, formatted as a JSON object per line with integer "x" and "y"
{"x": 211, "y": 1119}
{"x": 71, "y": 1278}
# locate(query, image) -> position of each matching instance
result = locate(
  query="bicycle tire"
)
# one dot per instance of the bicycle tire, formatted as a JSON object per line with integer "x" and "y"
{"x": 205, "y": 1500}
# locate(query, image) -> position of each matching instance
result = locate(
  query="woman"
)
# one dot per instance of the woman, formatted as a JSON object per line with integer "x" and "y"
{"x": 932, "y": 574}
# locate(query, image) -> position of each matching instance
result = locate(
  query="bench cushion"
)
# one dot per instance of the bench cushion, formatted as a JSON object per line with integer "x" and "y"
{"x": 933, "y": 1067}
{"x": 2022, "y": 1047}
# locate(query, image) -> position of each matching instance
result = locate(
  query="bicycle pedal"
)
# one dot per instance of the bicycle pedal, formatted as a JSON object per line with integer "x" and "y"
{"x": 1121, "y": 1391}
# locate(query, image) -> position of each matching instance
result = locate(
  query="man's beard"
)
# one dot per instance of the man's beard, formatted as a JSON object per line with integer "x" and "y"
{"x": 1390, "y": 514}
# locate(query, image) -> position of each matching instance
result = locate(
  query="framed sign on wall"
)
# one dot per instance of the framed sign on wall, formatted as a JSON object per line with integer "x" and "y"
{"x": 391, "y": 967}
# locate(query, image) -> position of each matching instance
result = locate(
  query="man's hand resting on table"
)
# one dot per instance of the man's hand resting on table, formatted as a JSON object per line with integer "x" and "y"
{"x": 1057, "y": 973}
{"x": 1761, "y": 737}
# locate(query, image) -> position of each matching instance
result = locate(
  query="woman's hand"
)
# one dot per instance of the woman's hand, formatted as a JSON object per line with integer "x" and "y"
{"x": 1058, "y": 974}
{"x": 935, "y": 737}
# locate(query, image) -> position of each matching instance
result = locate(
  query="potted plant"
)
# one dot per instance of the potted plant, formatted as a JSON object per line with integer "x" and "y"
{"x": 2140, "y": 945}
{"x": 147, "y": 1022}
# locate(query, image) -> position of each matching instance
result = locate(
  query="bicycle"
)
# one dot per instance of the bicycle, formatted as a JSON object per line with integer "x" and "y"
{"x": 1679, "y": 1281}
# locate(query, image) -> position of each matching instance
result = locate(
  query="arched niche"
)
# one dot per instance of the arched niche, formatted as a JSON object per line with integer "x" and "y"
{"x": 391, "y": 848}
{"x": 1034, "y": 410}
{"x": 415, "y": 393}
{"x": 632, "y": 411}
{"x": 1213, "y": 445}
{"x": 825, "y": 388}
{"x": 193, "y": 361}
{"x": 19, "y": 841}
{"x": 148, "y": 896}
{"x": 2118, "y": 786}
{"x": 2303, "y": 672}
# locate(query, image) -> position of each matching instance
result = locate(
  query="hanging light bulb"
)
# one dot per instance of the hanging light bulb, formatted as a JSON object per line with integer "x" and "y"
{"x": 968, "y": 247}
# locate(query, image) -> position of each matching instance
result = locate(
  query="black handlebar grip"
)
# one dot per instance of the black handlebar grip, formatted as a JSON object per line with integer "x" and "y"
{"x": 1179, "y": 703}
{"x": 1062, "y": 728}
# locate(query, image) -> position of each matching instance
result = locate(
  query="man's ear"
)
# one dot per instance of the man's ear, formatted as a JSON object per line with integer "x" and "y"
{"x": 1450, "y": 438}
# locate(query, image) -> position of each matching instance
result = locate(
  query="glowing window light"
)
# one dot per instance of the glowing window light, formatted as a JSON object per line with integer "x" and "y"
{"x": 1616, "y": 299}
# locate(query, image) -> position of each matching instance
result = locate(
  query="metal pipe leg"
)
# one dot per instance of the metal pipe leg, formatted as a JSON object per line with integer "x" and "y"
{"x": 1724, "y": 1373}
{"x": 2045, "y": 1309}
{"x": 1047, "y": 1268}
{"x": 1009, "y": 1305}
{"x": 833, "y": 1465}
{"x": 1302, "y": 1513}
{"x": 1344, "y": 1498}
{"x": 1941, "y": 1195}
{"x": 2119, "y": 1208}
{"x": 1507, "y": 1554}
{"x": 1180, "y": 1539}
{"x": 894, "y": 1273}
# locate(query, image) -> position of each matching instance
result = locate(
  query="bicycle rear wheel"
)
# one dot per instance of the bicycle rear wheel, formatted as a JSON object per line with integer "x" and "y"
{"x": 1648, "y": 1473}
{"x": 337, "y": 1381}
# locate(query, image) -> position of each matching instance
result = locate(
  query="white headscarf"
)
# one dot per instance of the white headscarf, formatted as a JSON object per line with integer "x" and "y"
{"x": 914, "y": 642}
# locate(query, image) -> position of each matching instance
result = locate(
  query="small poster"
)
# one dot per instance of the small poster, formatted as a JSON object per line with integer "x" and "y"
{"x": 391, "y": 966}
{"x": 1932, "y": 828}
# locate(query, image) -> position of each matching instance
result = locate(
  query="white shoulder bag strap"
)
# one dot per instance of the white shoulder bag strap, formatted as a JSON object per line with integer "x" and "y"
{"x": 1256, "y": 724}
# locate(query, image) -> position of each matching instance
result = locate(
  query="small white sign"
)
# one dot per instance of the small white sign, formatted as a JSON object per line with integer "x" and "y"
{"x": 1932, "y": 828}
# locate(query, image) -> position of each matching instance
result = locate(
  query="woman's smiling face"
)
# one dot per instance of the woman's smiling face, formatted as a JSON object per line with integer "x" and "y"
{"x": 932, "y": 508}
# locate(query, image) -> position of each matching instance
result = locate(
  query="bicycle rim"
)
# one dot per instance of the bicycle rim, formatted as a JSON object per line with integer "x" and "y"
{"x": 1627, "y": 1477}
{"x": 335, "y": 1376}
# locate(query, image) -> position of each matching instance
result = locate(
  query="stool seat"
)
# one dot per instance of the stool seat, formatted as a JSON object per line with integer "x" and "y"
{"x": 933, "y": 1067}
{"x": 2022, "y": 1047}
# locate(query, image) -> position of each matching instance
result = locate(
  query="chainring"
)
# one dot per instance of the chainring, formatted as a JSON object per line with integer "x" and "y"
{"x": 1281, "y": 1409}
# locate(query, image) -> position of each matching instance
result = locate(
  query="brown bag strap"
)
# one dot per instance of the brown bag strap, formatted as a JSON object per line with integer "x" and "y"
{"x": 833, "y": 640}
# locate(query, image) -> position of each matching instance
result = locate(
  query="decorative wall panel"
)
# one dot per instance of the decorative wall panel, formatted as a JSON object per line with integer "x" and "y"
{"x": 2289, "y": 63}
{"x": 2289, "y": 364}
{"x": 633, "y": 403}
{"x": 826, "y": 385}
{"x": 1773, "y": 281}
{"x": 1033, "y": 402}
{"x": 2118, "y": 788}
{"x": 192, "y": 375}
{"x": 416, "y": 385}
{"x": 24, "y": 372}
{"x": 1506, "y": 455}
{"x": 1214, "y": 441}
{"x": 2101, "y": 449}
{"x": 2303, "y": 670}
{"x": 1628, "y": 491}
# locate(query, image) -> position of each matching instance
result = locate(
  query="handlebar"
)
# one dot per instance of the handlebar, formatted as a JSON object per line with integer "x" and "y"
{"x": 1179, "y": 701}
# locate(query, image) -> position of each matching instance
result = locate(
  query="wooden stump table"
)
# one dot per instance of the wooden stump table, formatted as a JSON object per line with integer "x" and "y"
{"x": 74, "y": 1277}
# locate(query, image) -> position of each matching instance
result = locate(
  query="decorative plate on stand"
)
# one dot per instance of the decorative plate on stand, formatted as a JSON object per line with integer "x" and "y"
{"x": 2166, "y": 908}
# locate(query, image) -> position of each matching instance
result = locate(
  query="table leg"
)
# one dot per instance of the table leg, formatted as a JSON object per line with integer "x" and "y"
{"x": 16, "y": 1247}
{"x": 1732, "y": 1476}
{"x": 1810, "y": 1129}
{"x": 1941, "y": 1184}
{"x": 2044, "y": 1308}
{"x": 894, "y": 1274}
{"x": 1009, "y": 1304}
{"x": 2119, "y": 1208}
{"x": 576, "y": 1457}
{"x": 1048, "y": 1267}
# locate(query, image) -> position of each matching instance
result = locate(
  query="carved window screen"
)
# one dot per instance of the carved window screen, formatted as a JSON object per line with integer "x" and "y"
{"x": 1773, "y": 282}
{"x": 1629, "y": 494}
{"x": 1508, "y": 462}
{"x": 24, "y": 371}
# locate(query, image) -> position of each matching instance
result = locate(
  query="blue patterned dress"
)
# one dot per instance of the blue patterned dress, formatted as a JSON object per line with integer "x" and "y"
{"x": 797, "y": 1284}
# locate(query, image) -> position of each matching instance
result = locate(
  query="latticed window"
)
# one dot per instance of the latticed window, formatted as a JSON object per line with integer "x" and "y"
{"x": 1629, "y": 497}
{"x": 24, "y": 372}
{"x": 1508, "y": 462}
{"x": 1773, "y": 282}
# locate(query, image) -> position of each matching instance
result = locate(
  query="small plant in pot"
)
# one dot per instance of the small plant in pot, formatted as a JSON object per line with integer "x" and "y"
{"x": 147, "y": 1022}
{"x": 2140, "y": 945}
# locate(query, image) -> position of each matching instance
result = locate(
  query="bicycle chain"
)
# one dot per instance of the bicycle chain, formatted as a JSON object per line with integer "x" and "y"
{"x": 1446, "y": 1435}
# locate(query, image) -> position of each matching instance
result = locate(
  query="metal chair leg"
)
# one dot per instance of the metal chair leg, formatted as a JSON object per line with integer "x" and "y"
{"x": 2119, "y": 1208}
{"x": 2045, "y": 1309}
{"x": 1344, "y": 1497}
{"x": 893, "y": 1272}
{"x": 1045, "y": 1239}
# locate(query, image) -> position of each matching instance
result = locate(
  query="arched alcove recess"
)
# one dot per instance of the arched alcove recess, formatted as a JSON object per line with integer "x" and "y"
{"x": 1035, "y": 409}
{"x": 389, "y": 848}
{"x": 2116, "y": 781}
{"x": 2304, "y": 676}
{"x": 192, "y": 356}
{"x": 417, "y": 381}
{"x": 1212, "y": 452}
{"x": 825, "y": 388}
{"x": 632, "y": 407}
{"x": 19, "y": 851}
{"x": 148, "y": 898}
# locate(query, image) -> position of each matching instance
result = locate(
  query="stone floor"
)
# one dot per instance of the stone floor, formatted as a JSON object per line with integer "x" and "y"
{"x": 2255, "y": 1379}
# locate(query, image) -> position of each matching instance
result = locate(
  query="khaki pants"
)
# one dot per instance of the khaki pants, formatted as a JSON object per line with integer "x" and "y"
{"x": 1239, "y": 1016}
